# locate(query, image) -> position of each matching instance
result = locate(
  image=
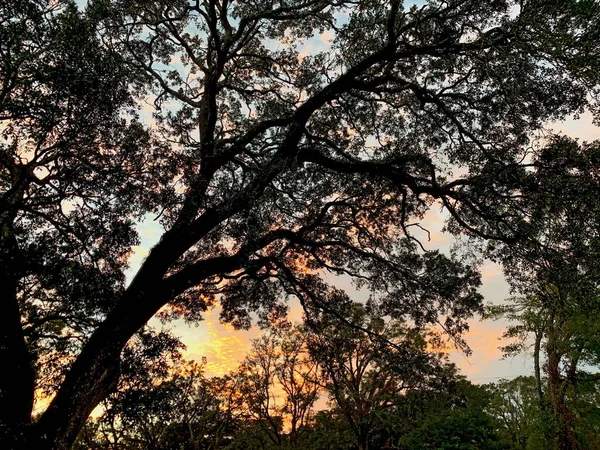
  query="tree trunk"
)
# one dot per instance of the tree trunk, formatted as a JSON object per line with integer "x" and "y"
{"x": 94, "y": 374}
{"x": 363, "y": 439}
{"x": 537, "y": 369}
{"x": 16, "y": 371}
{"x": 564, "y": 437}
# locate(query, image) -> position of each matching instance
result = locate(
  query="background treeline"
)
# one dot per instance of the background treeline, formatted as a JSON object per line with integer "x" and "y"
{"x": 385, "y": 386}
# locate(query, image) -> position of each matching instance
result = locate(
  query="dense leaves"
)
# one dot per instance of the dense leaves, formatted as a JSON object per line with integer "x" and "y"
{"x": 555, "y": 272}
{"x": 273, "y": 158}
{"x": 368, "y": 364}
{"x": 74, "y": 175}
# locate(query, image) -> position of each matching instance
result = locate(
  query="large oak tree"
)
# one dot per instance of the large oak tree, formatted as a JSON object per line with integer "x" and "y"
{"x": 273, "y": 165}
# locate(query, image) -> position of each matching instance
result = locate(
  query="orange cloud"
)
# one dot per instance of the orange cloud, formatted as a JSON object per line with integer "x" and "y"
{"x": 486, "y": 363}
{"x": 490, "y": 271}
{"x": 223, "y": 347}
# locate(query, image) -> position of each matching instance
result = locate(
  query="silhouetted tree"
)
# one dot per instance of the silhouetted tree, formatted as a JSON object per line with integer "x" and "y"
{"x": 170, "y": 406}
{"x": 369, "y": 364}
{"x": 278, "y": 384}
{"x": 274, "y": 165}
{"x": 454, "y": 418}
{"x": 74, "y": 176}
{"x": 557, "y": 275}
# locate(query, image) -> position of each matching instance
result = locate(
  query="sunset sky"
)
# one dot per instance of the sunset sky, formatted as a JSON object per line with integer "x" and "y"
{"x": 224, "y": 347}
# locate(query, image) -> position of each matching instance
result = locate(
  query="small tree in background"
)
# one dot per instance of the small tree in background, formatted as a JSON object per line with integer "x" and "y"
{"x": 279, "y": 384}
{"x": 369, "y": 364}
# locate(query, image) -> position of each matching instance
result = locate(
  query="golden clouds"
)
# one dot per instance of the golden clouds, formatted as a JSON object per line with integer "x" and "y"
{"x": 222, "y": 345}
{"x": 486, "y": 363}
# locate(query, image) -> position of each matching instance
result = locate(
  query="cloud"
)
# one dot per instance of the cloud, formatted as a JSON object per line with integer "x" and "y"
{"x": 581, "y": 128}
{"x": 490, "y": 271}
{"x": 486, "y": 363}
{"x": 223, "y": 347}
{"x": 137, "y": 256}
{"x": 327, "y": 37}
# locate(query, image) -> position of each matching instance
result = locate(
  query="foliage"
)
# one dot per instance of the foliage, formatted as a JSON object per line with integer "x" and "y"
{"x": 521, "y": 422}
{"x": 369, "y": 363}
{"x": 454, "y": 417}
{"x": 74, "y": 176}
{"x": 329, "y": 431}
{"x": 266, "y": 166}
{"x": 176, "y": 408}
{"x": 557, "y": 273}
{"x": 565, "y": 350}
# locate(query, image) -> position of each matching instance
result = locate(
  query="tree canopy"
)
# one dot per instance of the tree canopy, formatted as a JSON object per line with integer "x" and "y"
{"x": 369, "y": 365}
{"x": 267, "y": 165}
{"x": 556, "y": 276}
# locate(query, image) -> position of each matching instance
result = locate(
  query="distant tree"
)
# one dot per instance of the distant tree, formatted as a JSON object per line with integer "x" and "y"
{"x": 278, "y": 384}
{"x": 455, "y": 418}
{"x": 369, "y": 364}
{"x": 134, "y": 415}
{"x": 300, "y": 379}
{"x": 163, "y": 408}
{"x": 515, "y": 406}
{"x": 330, "y": 431}
{"x": 452, "y": 416}
{"x": 566, "y": 354}
{"x": 274, "y": 164}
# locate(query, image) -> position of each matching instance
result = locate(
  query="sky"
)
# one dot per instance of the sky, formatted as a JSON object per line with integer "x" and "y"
{"x": 224, "y": 348}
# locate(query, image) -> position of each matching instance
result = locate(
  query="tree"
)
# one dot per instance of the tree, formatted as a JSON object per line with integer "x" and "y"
{"x": 370, "y": 364}
{"x": 138, "y": 412}
{"x": 274, "y": 165}
{"x": 565, "y": 351}
{"x": 329, "y": 430}
{"x": 515, "y": 406}
{"x": 557, "y": 274}
{"x": 452, "y": 418}
{"x": 165, "y": 407}
{"x": 278, "y": 384}
{"x": 74, "y": 175}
